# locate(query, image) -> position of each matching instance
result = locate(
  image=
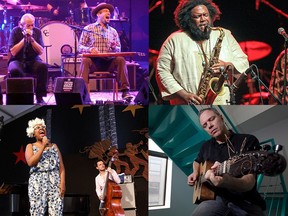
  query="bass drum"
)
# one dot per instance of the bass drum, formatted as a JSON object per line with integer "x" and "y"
{"x": 57, "y": 38}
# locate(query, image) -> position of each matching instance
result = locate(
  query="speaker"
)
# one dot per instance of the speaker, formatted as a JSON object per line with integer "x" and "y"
{"x": 20, "y": 91}
{"x": 128, "y": 196}
{"x": 70, "y": 91}
{"x": 143, "y": 95}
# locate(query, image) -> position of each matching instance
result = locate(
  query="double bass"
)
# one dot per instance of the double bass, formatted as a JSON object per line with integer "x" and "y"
{"x": 110, "y": 205}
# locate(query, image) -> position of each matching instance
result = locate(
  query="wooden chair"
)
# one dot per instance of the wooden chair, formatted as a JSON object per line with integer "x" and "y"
{"x": 106, "y": 75}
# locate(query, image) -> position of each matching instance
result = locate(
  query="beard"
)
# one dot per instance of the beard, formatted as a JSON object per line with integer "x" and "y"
{"x": 196, "y": 34}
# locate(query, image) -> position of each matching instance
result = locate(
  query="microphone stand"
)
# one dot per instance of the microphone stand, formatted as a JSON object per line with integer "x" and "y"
{"x": 75, "y": 29}
{"x": 232, "y": 95}
{"x": 285, "y": 72}
{"x": 230, "y": 87}
{"x": 75, "y": 54}
{"x": 255, "y": 76}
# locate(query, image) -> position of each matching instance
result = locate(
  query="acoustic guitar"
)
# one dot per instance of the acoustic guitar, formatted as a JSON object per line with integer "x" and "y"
{"x": 269, "y": 164}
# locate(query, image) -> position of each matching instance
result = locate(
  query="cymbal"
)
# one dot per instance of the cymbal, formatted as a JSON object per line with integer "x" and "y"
{"x": 32, "y": 7}
{"x": 8, "y": 7}
{"x": 256, "y": 95}
{"x": 255, "y": 50}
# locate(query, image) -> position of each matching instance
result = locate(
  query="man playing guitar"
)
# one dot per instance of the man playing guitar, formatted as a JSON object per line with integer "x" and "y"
{"x": 233, "y": 195}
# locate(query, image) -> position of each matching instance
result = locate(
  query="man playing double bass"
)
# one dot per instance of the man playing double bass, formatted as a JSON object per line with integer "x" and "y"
{"x": 108, "y": 190}
{"x": 100, "y": 179}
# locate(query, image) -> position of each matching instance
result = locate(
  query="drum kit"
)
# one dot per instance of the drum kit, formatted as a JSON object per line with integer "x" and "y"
{"x": 255, "y": 50}
{"x": 54, "y": 45}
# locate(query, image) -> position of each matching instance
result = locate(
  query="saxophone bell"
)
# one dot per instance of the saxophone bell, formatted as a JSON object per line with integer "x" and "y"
{"x": 216, "y": 85}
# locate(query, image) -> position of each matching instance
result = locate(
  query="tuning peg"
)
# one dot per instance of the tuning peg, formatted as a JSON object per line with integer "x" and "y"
{"x": 266, "y": 147}
{"x": 277, "y": 148}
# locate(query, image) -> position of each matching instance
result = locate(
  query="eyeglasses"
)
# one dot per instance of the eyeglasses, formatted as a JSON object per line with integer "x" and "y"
{"x": 38, "y": 127}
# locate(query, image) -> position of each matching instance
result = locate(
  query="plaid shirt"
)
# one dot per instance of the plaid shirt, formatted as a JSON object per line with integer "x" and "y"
{"x": 98, "y": 37}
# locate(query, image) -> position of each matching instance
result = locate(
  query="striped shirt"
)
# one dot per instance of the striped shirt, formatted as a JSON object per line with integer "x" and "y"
{"x": 99, "y": 37}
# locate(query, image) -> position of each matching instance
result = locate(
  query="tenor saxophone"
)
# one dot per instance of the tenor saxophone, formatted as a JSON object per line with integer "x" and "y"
{"x": 211, "y": 86}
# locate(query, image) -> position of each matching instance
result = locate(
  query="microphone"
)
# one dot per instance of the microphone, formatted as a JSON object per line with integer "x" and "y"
{"x": 257, "y": 2}
{"x": 282, "y": 32}
{"x": 27, "y": 34}
{"x": 241, "y": 78}
{"x": 48, "y": 141}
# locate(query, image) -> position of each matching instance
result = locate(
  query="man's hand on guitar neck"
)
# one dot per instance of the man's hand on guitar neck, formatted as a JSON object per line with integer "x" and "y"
{"x": 218, "y": 181}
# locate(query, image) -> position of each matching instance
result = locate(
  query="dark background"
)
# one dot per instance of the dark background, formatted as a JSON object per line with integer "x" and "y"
{"x": 242, "y": 19}
{"x": 72, "y": 132}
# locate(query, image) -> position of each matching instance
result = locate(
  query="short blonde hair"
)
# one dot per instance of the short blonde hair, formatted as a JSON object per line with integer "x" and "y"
{"x": 32, "y": 124}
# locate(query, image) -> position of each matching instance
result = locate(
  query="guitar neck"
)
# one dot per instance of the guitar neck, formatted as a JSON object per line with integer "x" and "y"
{"x": 223, "y": 168}
{"x": 251, "y": 162}
{"x": 270, "y": 164}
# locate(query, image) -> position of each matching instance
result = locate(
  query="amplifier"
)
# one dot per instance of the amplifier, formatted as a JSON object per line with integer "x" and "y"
{"x": 70, "y": 60}
{"x": 106, "y": 85}
{"x": 20, "y": 91}
{"x": 130, "y": 212}
{"x": 68, "y": 65}
{"x": 128, "y": 196}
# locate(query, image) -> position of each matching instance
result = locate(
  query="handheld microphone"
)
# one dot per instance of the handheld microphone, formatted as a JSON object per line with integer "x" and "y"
{"x": 48, "y": 141}
{"x": 241, "y": 78}
{"x": 282, "y": 32}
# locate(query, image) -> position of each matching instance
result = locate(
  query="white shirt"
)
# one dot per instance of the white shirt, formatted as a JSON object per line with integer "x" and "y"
{"x": 179, "y": 65}
{"x": 100, "y": 181}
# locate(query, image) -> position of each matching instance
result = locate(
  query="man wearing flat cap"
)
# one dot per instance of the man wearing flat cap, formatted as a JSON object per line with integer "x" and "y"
{"x": 100, "y": 37}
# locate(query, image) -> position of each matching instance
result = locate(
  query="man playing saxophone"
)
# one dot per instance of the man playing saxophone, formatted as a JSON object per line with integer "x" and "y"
{"x": 190, "y": 57}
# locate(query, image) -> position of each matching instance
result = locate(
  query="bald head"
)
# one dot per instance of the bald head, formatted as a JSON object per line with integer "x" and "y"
{"x": 27, "y": 18}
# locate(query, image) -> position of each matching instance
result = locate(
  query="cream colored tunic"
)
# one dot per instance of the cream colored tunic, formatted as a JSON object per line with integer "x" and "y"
{"x": 179, "y": 65}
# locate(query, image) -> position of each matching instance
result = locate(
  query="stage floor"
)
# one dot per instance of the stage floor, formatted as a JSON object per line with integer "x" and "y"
{"x": 97, "y": 98}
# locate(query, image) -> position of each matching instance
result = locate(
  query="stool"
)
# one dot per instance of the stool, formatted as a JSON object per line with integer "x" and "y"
{"x": 106, "y": 75}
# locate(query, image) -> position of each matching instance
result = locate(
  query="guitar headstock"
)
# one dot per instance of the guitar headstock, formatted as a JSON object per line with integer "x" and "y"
{"x": 268, "y": 163}
{"x": 274, "y": 164}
